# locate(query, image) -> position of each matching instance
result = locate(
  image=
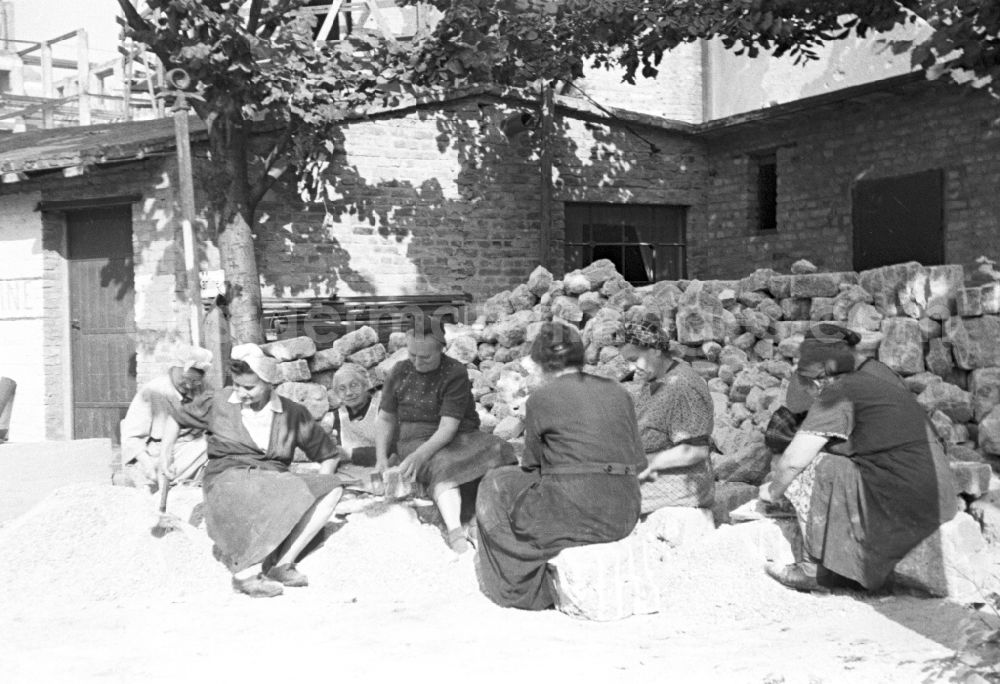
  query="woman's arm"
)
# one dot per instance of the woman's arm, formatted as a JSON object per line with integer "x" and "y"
{"x": 385, "y": 433}
{"x": 446, "y": 431}
{"x": 674, "y": 457}
{"x": 800, "y": 453}
{"x": 170, "y": 430}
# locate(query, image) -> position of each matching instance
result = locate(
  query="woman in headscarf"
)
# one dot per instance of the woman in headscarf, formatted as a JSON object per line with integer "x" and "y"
{"x": 576, "y": 484}
{"x": 675, "y": 413}
{"x": 356, "y": 420}
{"x": 260, "y": 515}
{"x": 428, "y": 412}
{"x": 879, "y": 488}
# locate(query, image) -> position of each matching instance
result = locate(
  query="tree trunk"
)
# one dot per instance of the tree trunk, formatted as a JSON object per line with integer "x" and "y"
{"x": 236, "y": 249}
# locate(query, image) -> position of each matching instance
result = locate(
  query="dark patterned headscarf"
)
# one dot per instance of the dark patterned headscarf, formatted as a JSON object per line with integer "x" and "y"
{"x": 827, "y": 348}
{"x": 647, "y": 333}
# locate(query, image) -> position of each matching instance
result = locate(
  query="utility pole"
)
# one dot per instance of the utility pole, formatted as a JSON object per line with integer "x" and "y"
{"x": 545, "y": 164}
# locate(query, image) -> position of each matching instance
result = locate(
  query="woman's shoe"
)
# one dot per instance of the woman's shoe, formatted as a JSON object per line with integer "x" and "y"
{"x": 798, "y": 576}
{"x": 257, "y": 586}
{"x": 288, "y": 575}
{"x": 457, "y": 541}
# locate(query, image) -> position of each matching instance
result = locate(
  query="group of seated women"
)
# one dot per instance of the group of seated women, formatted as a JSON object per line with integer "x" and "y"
{"x": 595, "y": 459}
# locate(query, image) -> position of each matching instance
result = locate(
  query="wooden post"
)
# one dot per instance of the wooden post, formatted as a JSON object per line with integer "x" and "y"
{"x": 186, "y": 187}
{"x": 545, "y": 164}
{"x": 83, "y": 76}
{"x": 48, "y": 118}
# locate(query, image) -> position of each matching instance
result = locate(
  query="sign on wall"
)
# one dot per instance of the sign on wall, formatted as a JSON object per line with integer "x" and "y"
{"x": 21, "y": 298}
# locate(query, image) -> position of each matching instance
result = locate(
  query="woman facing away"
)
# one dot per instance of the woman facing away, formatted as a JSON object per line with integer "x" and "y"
{"x": 676, "y": 415}
{"x": 428, "y": 426}
{"x": 864, "y": 471}
{"x": 576, "y": 483}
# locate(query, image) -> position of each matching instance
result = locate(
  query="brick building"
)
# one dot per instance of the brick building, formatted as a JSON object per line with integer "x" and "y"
{"x": 432, "y": 197}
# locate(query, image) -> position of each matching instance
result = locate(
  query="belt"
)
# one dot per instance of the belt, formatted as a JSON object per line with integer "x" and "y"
{"x": 591, "y": 469}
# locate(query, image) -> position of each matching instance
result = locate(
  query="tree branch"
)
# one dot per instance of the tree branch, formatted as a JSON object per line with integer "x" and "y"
{"x": 132, "y": 16}
{"x": 254, "y": 20}
{"x": 271, "y": 172}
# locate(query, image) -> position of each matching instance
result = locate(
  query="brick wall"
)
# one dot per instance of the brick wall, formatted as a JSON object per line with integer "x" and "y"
{"x": 438, "y": 199}
{"x": 822, "y": 153}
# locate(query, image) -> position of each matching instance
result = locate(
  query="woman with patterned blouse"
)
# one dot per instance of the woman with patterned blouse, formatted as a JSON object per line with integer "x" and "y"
{"x": 675, "y": 413}
{"x": 428, "y": 427}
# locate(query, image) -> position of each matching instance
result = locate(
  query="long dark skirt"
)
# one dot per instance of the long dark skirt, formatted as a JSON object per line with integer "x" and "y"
{"x": 526, "y": 519}
{"x": 860, "y": 525}
{"x": 468, "y": 456}
{"x": 249, "y": 512}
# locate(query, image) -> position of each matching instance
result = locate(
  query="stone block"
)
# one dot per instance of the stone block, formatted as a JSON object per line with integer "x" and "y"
{"x": 567, "y": 308}
{"x": 929, "y": 328}
{"x": 771, "y": 309}
{"x": 984, "y": 386}
{"x": 942, "y": 285}
{"x": 291, "y": 349}
{"x": 758, "y": 281}
{"x": 607, "y": 581}
{"x": 326, "y": 359}
{"x": 986, "y": 511}
{"x": 974, "y": 341}
{"x": 821, "y": 284}
{"x": 676, "y": 526}
{"x": 624, "y": 299}
{"x": 742, "y": 455}
{"x": 755, "y": 322}
{"x": 902, "y": 348}
{"x": 700, "y": 316}
{"x": 789, "y": 346}
{"x": 780, "y": 286}
{"x": 705, "y": 369}
{"x": 889, "y": 285}
{"x": 963, "y": 452}
{"x": 486, "y": 351}
{"x": 463, "y": 349}
{"x": 539, "y": 281}
{"x": 971, "y": 478}
{"x": 294, "y": 371}
{"x": 599, "y": 272}
{"x": 969, "y": 302}
{"x": 942, "y": 396}
{"x": 311, "y": 395}
{"x": 369, "y": 356}
{"x": 380, "y": 372}
{"x": 764, "y": 349}
{"x": 821, "y": 309}
{"x": 363, "y": 337}
{"x": 918, "y": 382}
{"x": 750, "y": 377}
{"x": 728, "y": 497}
{"x": 616, "y": 369}
{"x": 939, "y": 359}
{"x": 510, "y": 427}
{"x": 953, "y": 562}
{"x": 497, "y": 306}
{"x": 864, "y": 316}
{"x": 397, "y": 340}
{"x": 513, "y": 330}
{"x": 989, "y": 432}
{"x": 870, "y": 342}
{"x": 522, "y": 298}
{"x": 989, "y": 297}
{"x": 749, "y": 299}
{"x": 803, "y": 267}
{"x": 771, "y": 540}
{"x": 575, "y": 283}
{"x": 613, "y": 285}
{"x": 591, "y": 302}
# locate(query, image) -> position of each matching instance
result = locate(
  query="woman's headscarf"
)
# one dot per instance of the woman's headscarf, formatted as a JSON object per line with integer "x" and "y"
{"x": 647, "y": 333}
{"x": 351, "y": 371}
{"x": 252, "y": 355}
{"x": 828, "y": 349}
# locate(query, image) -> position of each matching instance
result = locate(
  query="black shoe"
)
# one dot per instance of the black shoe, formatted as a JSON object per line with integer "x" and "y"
{"x": 287, "y": 575}
{"x": 258, "y": 586}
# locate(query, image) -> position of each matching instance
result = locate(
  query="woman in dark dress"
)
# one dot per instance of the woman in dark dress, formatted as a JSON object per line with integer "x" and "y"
{"x": 577, "y": 481}
{"x": 428, "y": 427}
{"x": 879, "y": 489}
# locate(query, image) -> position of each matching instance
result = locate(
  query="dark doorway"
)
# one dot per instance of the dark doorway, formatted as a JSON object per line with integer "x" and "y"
{"x": 899, "y": 219}
{"x": 646, "y": 242}
{"x": 102, "y": 318}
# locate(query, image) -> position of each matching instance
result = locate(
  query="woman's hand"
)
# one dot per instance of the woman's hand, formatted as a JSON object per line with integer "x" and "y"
{"x": 410, "y": 465}
{"x": 678, "y": 456}
{"x": 764, "y": 493}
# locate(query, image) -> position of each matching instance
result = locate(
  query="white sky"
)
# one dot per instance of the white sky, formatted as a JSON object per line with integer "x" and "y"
{"x": 43, "y": 19}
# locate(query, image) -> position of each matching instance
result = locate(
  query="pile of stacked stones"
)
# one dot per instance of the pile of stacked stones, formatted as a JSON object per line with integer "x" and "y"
{"x": 941, "y": 333}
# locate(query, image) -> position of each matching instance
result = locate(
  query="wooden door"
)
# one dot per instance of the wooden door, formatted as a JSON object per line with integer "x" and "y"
{"x": 102, "y": 318}
{"x": 899, "y": 219}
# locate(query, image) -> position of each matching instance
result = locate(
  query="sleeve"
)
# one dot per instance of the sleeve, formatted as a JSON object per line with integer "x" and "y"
{"x": 390, "y": 391}
{"x": 456, "y": 394}
{"x": 531, "y": 459}
{"x": 336, "y": 427}
{"x": 135, "y": 427}
{"x": 689, "y": 411}
{"x": 832, "y": 415}
{"x": 653, "y": 439}
{"x": 195, "y": 414}
{"x": 313, "y": 439}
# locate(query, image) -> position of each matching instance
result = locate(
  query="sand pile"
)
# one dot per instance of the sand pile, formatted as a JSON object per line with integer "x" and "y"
{"x": 384, "y": 553}
{"x": 93, "y": 543}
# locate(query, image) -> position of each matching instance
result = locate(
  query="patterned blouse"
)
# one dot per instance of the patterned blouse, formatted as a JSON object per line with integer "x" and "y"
{"x": 677, "y": 409}
{"x": 415, "y": 397}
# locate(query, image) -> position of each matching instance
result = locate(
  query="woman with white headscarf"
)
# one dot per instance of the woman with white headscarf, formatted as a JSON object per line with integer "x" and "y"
{"x": 260, "y": 515}
{"x": 356, "y": 420}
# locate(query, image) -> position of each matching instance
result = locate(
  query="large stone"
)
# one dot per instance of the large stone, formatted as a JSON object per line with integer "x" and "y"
{"x": 598, "y": 272}
{"x": 764, "y": 349}
{"x": 850, "y": 295}
{"x": 591, "y": 302}
{"x": 986, "y": 511}
{"x": 616, "y": 369}
{"x": 821, "y": 284}
{"x": 989, "y": 296}
{"x": 953, "y": 562}
{"x": 929, "y": 328}
{"x": 803, "y": 267}
{"x": 497, "y": 306}
{"x": 463, "y": 349}
{"x": 942, "y": 286}
{"x": 294, "y": 371}
{"x": 969, "y": 302}
{"x": 974, "y": 341}
{"x": 567, "y": 308}
{"x": 918, "y": 382}
{"x": 750, "y": 377}
{"x": 821, "y": 309}
{"x": 780, "y": 286}
{"x": 291, "y": 349}
{"x": 539, "y": 281}
{"x": 700, "y": 316}
{"x": 397, "y": 340}
{"x": 949, "y": 399}
{"x": 963, "y": 452}
{"x": 748, "y": 299}
{"x": 676, "y": 526}
{"x": 971, "y": 479}
{"x": 379, "y": 373}
{"x": 575, "y": 283}
{"x": 755, "y": 322}
{"x": 789, "y": 346}
{"x": 326, "y": 359}
{"x": 742, "y": 455}
{"x": 356, "y": 340}
{"x": 614, "y": 285}
{"x": 902, "y": 348}
{"x": 984, "y": 386}
{"x": 771, "y": 309}
{"x": 311, "y": 395}
{"x": 939, "y": 360}
{"x": 728, "y": 497}
{"x": 607, "y": 581}
{"x": 890, "y": 285}
{"x": 509, "y": 428}
{"x": 771, "y": 540}
{"x": 369, "y": 356}
{"x": 864, "y": 316}
{"x": 758, "y": 281}
{"x": 513, "y": 330}
{"x": 989, "y": 432}
{"x": 521, "y": 298}
{"x": 625, "y": 298}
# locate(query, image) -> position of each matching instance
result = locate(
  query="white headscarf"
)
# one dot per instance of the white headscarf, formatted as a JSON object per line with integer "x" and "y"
{"x": 252, "y": 355}
{"x": 187, "y": 357}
